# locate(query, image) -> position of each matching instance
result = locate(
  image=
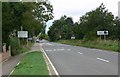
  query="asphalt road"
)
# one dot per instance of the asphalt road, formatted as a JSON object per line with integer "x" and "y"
{"x": 74, "y": 60}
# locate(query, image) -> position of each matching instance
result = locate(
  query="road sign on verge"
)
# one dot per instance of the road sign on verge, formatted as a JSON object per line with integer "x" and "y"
{"x": 102, "y": 32}
{"x": 22, "y": 34}
{"x": 72, "y": 37}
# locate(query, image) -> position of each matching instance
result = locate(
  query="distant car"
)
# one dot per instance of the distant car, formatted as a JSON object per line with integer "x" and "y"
{"x": 37, "y": 41}
{"x": 30, "y": 39}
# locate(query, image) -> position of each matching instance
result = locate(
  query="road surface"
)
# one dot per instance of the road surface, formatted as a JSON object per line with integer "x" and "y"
{"x": 74, "y": 60}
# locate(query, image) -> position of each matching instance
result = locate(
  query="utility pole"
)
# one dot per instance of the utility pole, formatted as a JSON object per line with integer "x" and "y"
{"x": 21, "y": 28}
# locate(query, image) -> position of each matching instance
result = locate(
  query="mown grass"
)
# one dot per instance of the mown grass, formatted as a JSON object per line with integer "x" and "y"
{"x": 111, "y": 45}
{"x": 32, "y": 64}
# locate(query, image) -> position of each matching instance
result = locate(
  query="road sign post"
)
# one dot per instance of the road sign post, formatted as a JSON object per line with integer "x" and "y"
{"x": 23, "y": 35}
{"x": 102, "y": 33}
{"x": 104, "y": 37}
{"x": 100, "y": 37}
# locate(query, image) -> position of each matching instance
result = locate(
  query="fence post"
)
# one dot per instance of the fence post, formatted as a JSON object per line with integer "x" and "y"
{"x": 4, "y": 47}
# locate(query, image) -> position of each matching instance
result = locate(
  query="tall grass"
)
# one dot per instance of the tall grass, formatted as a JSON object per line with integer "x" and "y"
{"x": 17, "y": 48}
{"x": 111, "y": 45}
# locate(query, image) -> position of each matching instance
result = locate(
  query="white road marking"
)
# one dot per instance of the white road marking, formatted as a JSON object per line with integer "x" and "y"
{"x": 80, "y": 53}
{"x": 12, "y": 71}
{"x": 48, "y": 50}
{"x": 60, "y": 49}
{"x": 68, "y": 49}
{"x": 56, "y": 73}
{"x": 18, "y": 63}
{"x": 47, "y": 43}
{"x": 103, "y": 60}
{"x": 54, "y": 49}
{"x": 14, "y": 68}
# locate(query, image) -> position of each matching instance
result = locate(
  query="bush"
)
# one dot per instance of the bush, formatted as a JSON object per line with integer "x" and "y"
{"x": 15, "y": 47}
{"x": 43, "y": 36}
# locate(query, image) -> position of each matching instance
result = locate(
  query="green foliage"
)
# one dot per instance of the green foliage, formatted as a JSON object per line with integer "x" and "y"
{"x": 61, "y": 29}
{"x": 98, "y": 19}
{"x": 31, "y": 16}
{"x": 116, "y": 29}
{"x": 43, "y": 11}
{"x": 99, "y": 44}
{"x": 30, "y": 23}
{"x": 11, "y": 19}
{"x": 43, "y": 36}
{"x": 77, "y": 30}
{"x": 15, "y": 45}
{"x": 86, "y": 28}
{"x": 28, "y": 15}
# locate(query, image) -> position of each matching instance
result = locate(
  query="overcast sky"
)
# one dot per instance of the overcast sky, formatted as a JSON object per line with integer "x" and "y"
{"x": 77, "y": 8}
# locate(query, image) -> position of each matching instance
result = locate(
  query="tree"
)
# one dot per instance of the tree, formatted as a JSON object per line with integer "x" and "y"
{"x": 32, "y": 16}
{"x": 43, "y": 12}
{"x": 116, "y": 29}
{"x": 77, "y": 31}
{"x": 98, "y": 19}
{"x": 61, "y": 29}
{"x": 32, "y": 25}
{"x": 88, "y": 25}
{"x": 11, "y": 19}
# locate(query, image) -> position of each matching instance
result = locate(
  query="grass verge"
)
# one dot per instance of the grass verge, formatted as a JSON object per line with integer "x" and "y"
{"x": 111, "y": 45}
{"x": 32, "y": 64}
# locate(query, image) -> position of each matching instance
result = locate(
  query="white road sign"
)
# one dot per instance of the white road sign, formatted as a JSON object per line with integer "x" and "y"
{"x": 102, "y": 32}
{"x": 23, "y": 34}
{"x": 72, "y": 37}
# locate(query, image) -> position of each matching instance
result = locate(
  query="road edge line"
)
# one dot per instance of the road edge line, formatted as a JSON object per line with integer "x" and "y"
{"x": 14, "y": 68}
{"x": 50, "y": 62}
{"x": 47, "y": 63}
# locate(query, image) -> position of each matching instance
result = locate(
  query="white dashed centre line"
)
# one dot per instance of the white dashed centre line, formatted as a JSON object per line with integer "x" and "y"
{"x": 48, "y": 50}
{"x": 68, "y": 49}
{"x": 80, "y": 53}
{"x": 60, "y": 49}
{"x": 103, "y": 60}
